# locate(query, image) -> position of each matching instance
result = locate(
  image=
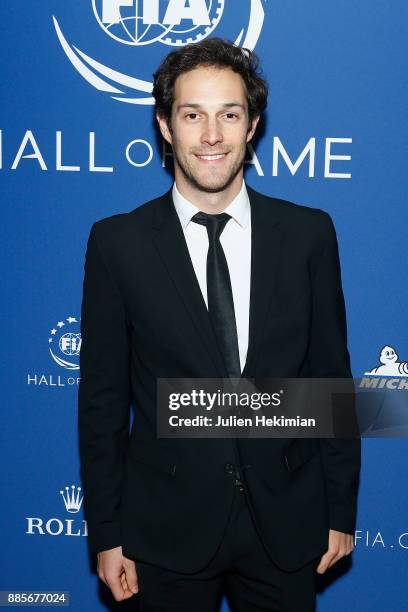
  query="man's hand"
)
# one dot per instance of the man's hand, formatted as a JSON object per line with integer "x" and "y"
{"x": 118, "y": 573}
{"x": 340, "y": 545}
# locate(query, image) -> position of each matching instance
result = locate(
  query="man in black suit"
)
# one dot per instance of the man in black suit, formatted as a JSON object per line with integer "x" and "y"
{"x": 211, "y": 280}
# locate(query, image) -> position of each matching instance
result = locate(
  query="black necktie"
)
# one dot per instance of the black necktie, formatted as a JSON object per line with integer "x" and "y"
{"x": 219, "y": 292}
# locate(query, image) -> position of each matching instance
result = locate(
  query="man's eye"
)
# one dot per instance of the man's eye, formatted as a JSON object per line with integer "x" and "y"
{"x": 194, "y": 115}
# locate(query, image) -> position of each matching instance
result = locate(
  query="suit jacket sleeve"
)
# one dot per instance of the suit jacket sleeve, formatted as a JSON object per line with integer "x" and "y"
{"x": 103, "y": 398}
{"x": 329, "y": 357}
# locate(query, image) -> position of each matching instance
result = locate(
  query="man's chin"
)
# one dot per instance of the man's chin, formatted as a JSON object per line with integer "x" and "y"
{"x": 212, "y": 186}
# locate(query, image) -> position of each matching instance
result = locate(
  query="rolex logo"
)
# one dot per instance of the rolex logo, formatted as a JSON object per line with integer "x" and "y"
{"x": 72, "y": 499}
{"x": 54, "y": 526}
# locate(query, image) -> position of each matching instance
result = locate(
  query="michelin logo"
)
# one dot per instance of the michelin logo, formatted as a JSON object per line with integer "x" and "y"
{"x": 389, "y": 374}
{"x": 390, "y": 366}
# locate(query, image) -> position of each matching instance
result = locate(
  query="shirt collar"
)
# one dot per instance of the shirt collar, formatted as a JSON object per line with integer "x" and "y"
{"x": 238, "y": 209}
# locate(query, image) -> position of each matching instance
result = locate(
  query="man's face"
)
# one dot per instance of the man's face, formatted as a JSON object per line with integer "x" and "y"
{"x": 209, "y": 117}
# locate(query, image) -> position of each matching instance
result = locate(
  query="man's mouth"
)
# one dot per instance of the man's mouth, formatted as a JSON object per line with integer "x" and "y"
{"x": 212, "y": 159}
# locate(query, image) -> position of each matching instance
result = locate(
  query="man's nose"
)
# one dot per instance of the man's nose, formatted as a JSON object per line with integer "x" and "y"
{"x": 212, "y": 132}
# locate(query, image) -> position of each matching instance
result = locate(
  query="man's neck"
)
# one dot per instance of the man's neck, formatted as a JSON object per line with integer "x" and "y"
{"x": 211, "y": 203}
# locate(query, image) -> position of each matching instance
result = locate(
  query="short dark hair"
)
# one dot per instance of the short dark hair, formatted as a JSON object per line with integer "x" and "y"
{"x": 216, "y": 52}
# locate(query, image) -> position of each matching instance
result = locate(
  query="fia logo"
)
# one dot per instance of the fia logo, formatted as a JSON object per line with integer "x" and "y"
{"x": 65, "y": 343}
{"x": 143, "y": 23}
{"x": 138, "y": 23}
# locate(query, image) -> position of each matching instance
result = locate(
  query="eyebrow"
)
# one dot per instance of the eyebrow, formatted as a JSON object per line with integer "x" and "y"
{"x": 193, "y": 105}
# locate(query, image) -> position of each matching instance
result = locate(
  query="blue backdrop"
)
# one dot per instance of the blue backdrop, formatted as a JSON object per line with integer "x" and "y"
{"x": 78, "y": 143}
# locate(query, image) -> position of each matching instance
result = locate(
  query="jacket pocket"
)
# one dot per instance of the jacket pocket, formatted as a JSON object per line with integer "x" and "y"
{"x": 299, "y": 452}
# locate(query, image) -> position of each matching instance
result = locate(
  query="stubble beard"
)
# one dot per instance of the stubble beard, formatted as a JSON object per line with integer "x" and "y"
{"x": 221, "y": 181}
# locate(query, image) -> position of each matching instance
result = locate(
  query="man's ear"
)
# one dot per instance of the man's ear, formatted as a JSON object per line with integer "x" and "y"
{"x": 252, "y": 129}
{"x": 164, "y": 128}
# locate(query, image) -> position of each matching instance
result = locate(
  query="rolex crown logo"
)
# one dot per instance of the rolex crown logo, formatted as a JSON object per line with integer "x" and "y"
{"x": 72, "y": 499}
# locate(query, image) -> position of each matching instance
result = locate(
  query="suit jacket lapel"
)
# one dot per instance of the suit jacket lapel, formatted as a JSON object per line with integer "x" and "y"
{"x": 266, "y": 240}
{"x": 170, "y": 241}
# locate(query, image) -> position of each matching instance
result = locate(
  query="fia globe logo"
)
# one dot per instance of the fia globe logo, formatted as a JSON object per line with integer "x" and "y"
{"x": 65, "y": 343}
{"x": 138, "y": 23}
{"x": 149, "y": 21}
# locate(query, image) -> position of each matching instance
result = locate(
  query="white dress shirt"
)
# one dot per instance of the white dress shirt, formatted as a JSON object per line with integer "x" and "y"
{"x": 236, "y": 243}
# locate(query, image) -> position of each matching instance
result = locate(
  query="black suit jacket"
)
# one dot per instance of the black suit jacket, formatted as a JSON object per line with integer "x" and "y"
{"x": 166, "y": 501}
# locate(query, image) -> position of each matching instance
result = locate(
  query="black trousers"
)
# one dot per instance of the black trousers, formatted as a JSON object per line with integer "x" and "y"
{"x": 241, "y": 569}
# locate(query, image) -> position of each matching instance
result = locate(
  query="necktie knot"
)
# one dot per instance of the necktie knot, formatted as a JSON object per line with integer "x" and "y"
{"x": 215, "y": 224}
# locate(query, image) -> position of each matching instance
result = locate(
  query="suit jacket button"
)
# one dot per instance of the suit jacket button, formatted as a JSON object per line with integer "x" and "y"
{"x": 229, "y": 468}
